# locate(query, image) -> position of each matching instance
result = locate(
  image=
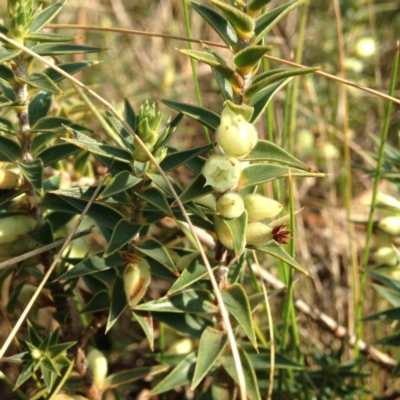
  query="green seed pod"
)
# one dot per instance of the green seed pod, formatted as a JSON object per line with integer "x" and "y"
{"x": 20, "y": 246}
{"x": 98, "y": 365}
{"x": 390, "y": 225}
{"x": 223, "y": 233}
{"x": 222, "y": 172}
{"x": 9, "y": 180}
{"x": 386, "y": 256}
{"x": 259, "y": 207}
{"x": 258, "y": 234}
{"x": 388, "y": 205}
{"x": 230, "y": 205}
{"x": 137, "y": 277}
{"x": 15, "y": 226}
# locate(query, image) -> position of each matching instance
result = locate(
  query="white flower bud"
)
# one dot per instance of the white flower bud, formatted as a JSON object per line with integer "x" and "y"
{"x": 15, "y": 226}
{"x": 259, "y": 207}
{"x": 137, "y": 277}
{"x": 98, "y": 365}
{"x": 387, "y": 256}
{"x": 222, "y": 172}
{"x": 390, "y": 225}
{"x": 235, "y": 135}
{"x": 258, "y": 234}
{"x": 230, "y": 205}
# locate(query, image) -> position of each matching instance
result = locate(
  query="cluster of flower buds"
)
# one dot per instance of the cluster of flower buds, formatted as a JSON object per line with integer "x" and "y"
{"x": 152, "y": 135}
{"x": 236, "y": 137}
{"x": 137, "y": 277}
{"x": 20, "y": 17}
{"x": 388, "y": 235}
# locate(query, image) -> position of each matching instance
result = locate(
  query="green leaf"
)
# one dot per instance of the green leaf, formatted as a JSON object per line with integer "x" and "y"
{"x": 189, "y": 301}
{"x": 99, "y": 302}
{"x": 390, "y": 295}
{"x": 224, "y": 85}
{"x": 263, "y": 97}
{"x": 57, "y": 124}
{"x": 105, "y": 150}
{"x": 386, "y": 280}
{"x": 193, "y": 271}
{"x": 48, "y": 37}
{"x": 92, "y": 265}
{"x": 275, "y": 250}
{"x": 154, "y": 197}
{"x": 10, "y": 151}
{"x": 160, "y": 182}
{"x": 39, "y": 80}
{"x": 212, "y": 344}
{"x": 71, "y": 68}
{"x": 179, "y": 376}
{"x": 8, "y": 91}
{"x": 266, "y": 21}
{"x": 58, "y": 49}
{"x": 101, "y": 213}
{"x": 196, "y": 189}
{"x": 119, "y": 183}
{"x": 7, "y": 74}
{"x": 237, "y": 228}
{"x": 237, "y": 303}
{"x": 145, "y": 320}
{"x": 118, "y": 303}
{"x": 259, "y": 173}
{"x": 127, "y": 138}
{"x": 272, "y": 76}
{"x": 393, "y": 314}
{"x": 240, "y": 21}
{"x": 6, "y": 126}
{"x": 268, "y": 151}
{"x": 255, "y": 5}
{"x": 177, "y": 158}
{"x": 220, "y": 24}
{"x": 124, "y": 377}
{"x": 392, "y": 340}
{"x": 123, "y": 233}
{"x": 33, "y": 172}
{"x": 130, "y": 115}
{"x": 6, "y": 54}
{"x": 156, "y": 251}
{"x": 45, "y": 16}
{"x": 57, "y": 152}
{"x": 39, "y": 106}
{"x": 206, "y": 117}
{"x": 249, "y": 374}
{"x": 248, "y": 58}
{"x": 215, "y": 62}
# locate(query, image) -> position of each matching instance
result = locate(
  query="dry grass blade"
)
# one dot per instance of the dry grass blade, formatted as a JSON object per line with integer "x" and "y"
{"x": 217, "y": 292}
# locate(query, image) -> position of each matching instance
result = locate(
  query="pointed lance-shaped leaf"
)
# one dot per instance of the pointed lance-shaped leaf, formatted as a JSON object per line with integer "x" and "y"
{"x": 212, "y": 344}
{"x": 254, "y": 6}
{"x": 45, "y": 16}
{"x": 221, "y": 66}
{"x": 265, "y": 22}
{"x": 247, "y": 59}
{"x": 270, "y": 77}
{"x": 220, "y": 24}
{"x": 242, "y": 23}
{"x": 48, "y": 37}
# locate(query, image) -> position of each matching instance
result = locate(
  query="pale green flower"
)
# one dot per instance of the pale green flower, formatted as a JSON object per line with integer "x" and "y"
{"x": 222, "y": 172}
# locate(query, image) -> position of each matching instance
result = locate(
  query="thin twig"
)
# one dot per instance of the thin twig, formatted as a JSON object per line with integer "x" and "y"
{"x": 42, "y": 249}
{"x": 339, "y": 331}
{"x": 277, "y": 59}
